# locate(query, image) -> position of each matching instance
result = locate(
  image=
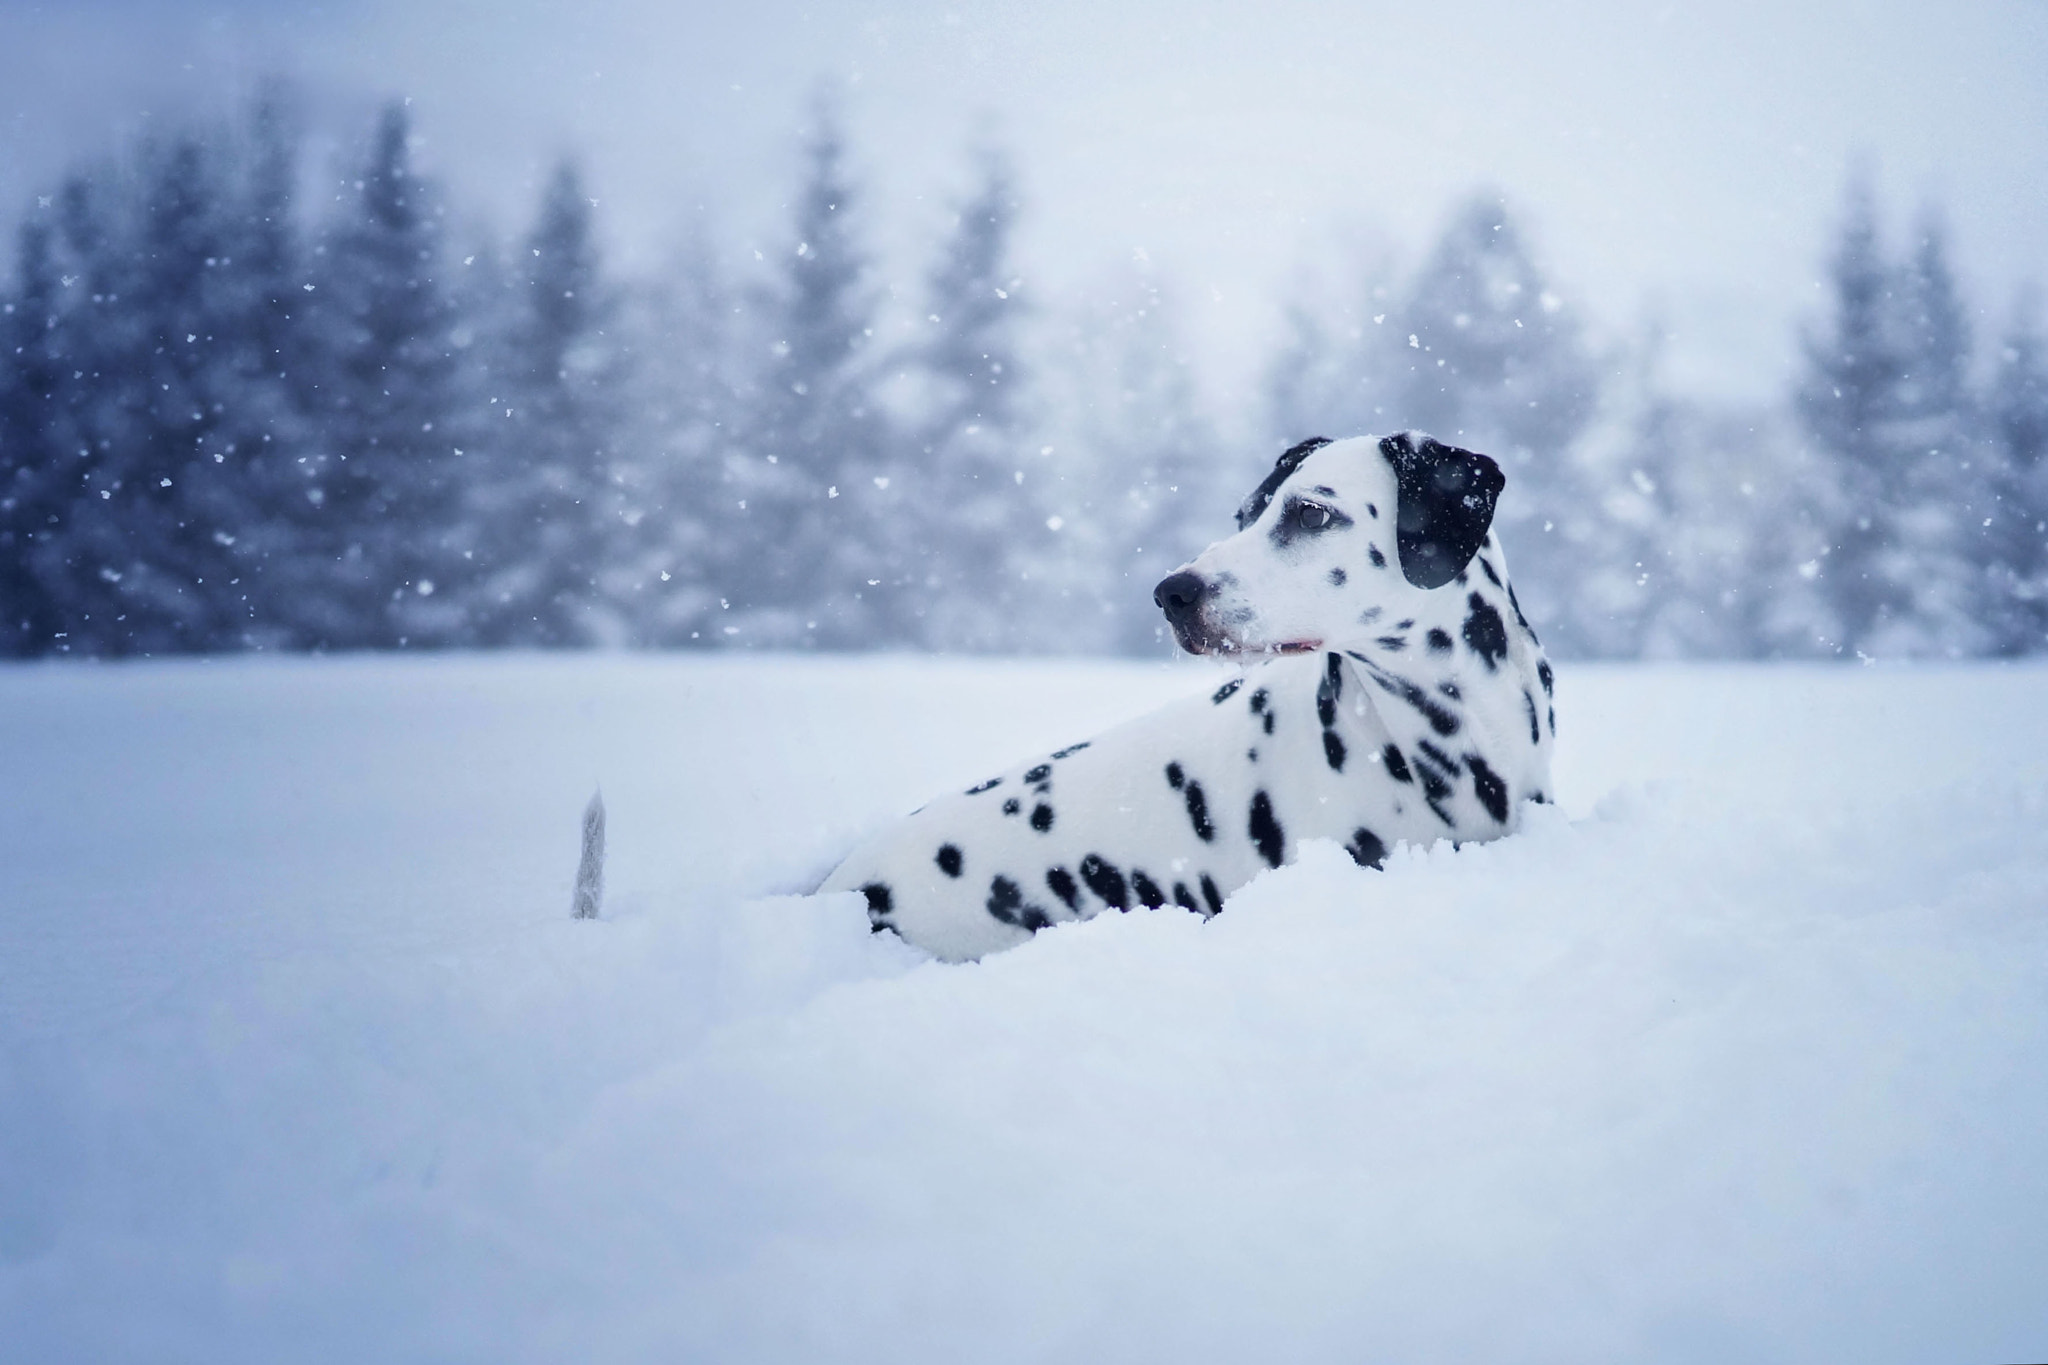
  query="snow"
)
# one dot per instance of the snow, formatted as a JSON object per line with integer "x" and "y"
{"x": 1734, "y": 1055}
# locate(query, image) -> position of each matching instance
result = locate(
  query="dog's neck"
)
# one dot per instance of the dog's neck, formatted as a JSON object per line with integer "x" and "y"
{"x": 1415, "y": 693}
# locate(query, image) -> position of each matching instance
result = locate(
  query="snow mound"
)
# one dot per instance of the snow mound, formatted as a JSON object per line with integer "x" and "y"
{"x": 1736, "y": 1056}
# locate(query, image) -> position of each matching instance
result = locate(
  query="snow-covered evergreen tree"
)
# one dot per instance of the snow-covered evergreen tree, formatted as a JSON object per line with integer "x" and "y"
{"x": 1142, "y": 480}
{"x": 139, "y": 566}
{"x": 378, "y": 534}
{"x": 261, "y": 354}
{"x": 1492, "y": 358}
{"x": 2015, "y": 600}
{"x": 31, "y": 463}
{"x": 1884, "y": 401}
{"x": 972, "y": 513}
{"x": 546, "y": 513}
{"x": 685, "y": 419}
{"x": 808, "y": 563}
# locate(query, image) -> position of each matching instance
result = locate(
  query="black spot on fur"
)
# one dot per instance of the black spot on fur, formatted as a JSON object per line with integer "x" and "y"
{"x": 1270, "y": 718}
{"x": 1491, "y": 576}
{"x": 1259, "y": 699}
{"x": 1437, "y": 756}
{"x": 1062, "y": 883}
{"x": 1290, "y": 460}
{"x": 1251, "y": 755}
{"x": 1520, "y": 619}
{"x": 1435, "y": 788}
{"x": 1544, "y": 675}
{"x": 1211, "y": 895}
{"x": 1146, "y": 890}
{"x": 880, "y": 901}
{"x": 1439, "y": 641}
{"x": 1372, "y": 511}
{"x": 1529, "y": 704}
{"x": 993, "y": 782}
{"x": 1072, "y": 749}
{"x": 1012, "y": 806}
{"x": 1484, "y": 631}
{"x": 1105, "y": 880}
{"x": 1450, "y": 689}
{"x": 1440, "y": 720}
{"x": 1366, "y": 848}
{"x": 1265, "y": 830}
{"x": 1333, "y": 750}
{"x": 1041, "y": 817}
{"x": 1174, "y": 776}
{"x": 1198, "y": 814}
{"x": 1392, "y": 642}
{"x": 1039, "y": 773}
{"x": 1492, "y": 792}
{"x": 1331, "y": 689}
{"x": 1006, "y": 902}
{"x": 1227, "y": 691}
{"x": 949, "y": 860}
{"x": 1337, "y": 576}
{"x": 1184, "y": 898}
{"x": 1372, "y": 552}
{"x": 1397, "y": 766}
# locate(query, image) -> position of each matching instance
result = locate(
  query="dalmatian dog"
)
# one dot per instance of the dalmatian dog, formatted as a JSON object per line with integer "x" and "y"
{"x": 1396, "y": 694}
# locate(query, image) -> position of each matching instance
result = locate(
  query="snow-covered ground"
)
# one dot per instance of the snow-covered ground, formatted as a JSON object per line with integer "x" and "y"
{"x": 1737, "y": 1055}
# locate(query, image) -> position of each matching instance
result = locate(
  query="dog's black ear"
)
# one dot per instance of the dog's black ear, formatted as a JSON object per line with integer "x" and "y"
{"x": 1290, "y": 460}
{"x": 1447, "y": 498}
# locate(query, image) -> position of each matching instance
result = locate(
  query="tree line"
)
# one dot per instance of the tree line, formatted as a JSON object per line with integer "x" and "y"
{"x": 1895, "y": 505}
{"x": 249, "y": 406}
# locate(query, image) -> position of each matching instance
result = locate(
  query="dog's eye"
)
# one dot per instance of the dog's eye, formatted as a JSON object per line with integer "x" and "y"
{"x": 1312, "y": 517}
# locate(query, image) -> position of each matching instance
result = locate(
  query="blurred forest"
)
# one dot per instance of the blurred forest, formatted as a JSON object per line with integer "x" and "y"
{"x": 250, "y": 404}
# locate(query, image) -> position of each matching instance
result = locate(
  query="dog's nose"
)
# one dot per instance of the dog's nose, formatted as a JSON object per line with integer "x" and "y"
{"x": 1178, "y": 594}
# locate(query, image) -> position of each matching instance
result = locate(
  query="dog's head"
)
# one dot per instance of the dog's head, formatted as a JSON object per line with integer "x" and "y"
{"x": 1343, "y": 540}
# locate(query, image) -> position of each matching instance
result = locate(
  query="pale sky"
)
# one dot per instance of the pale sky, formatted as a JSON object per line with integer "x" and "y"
{"x": 1686, "y": 158}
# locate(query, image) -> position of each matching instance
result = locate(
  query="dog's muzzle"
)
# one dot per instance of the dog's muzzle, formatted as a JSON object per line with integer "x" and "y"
{"x": 1181, "y": 595}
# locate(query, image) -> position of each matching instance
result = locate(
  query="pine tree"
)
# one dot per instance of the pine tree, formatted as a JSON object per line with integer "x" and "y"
{"x": 266, "y": 356}
{"x": 378, "y": 533}
{"x": 1950, "y": 480}
{"x": 90, "y": 338}
{"x": 1492, "y": 358}
{"x": 2016, "y": 568}
{"x": 1885, "y": 402}
{"x": 686, "y": 415}
{"x": 966, "y": 518}
{"x": 548, "y": 514}
{"x": 1142, "y": 484}
{"x": 135, "y": 566}
{"x": 30, "y": 461}
{"x": 813, "y": 483}
{"x": 182, "y": 525}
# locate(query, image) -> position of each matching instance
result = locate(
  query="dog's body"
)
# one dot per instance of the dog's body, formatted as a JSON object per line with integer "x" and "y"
{"x": 1412, "y": 703}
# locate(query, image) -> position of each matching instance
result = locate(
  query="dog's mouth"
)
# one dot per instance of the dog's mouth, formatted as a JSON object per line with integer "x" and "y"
{"x": 1227, "y": 646}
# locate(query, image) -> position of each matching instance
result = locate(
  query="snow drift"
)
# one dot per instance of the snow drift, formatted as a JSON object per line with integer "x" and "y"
{"x": 1734, "y": 1055}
